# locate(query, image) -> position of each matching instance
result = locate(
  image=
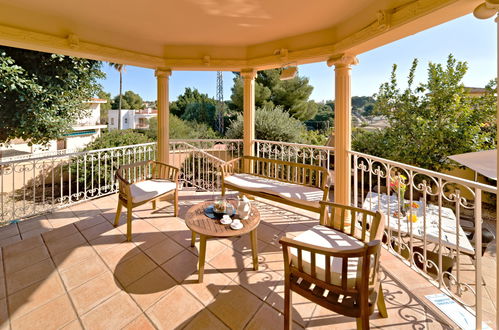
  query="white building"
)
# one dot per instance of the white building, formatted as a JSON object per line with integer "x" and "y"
{"x": 85, "y": 131}
{"x": 131, "y": 118}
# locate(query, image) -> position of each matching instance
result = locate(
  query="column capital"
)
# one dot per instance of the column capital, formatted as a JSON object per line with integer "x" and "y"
{"x": 248, "y": 73}
{"x": 163, "y": 73}
{"x": 343, "y": 60}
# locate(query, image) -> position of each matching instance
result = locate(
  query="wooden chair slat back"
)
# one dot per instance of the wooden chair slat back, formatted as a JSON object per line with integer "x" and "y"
{"x": 362, "y": 224}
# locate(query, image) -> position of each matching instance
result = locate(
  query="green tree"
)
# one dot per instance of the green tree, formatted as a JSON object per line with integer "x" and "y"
{"x": 117, "y": 138}
{"x": 363, "y": 105}
{"x": 190, "y": 96}
{"x": 292, "y": 95}
{"x": 42, "y": 95}
{"x": 201, "y": 113}
{"x": 130, "y": 100}
{"x": 262, "y": 95}
{"x": 324, "y": 119}
{"x": 120, "y": 68}
{"x": 181, "y": 129}
{"x": 104, "y": 107}
{"x": 431, "y": 121}
{"x": 271, "y": 123}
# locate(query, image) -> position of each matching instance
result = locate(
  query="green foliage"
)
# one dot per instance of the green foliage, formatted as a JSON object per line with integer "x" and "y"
{"x": 104, "y": 107}
{"x": 363, "y": 105}
{"x": 262, "y": 94}
{"x": 271, "y": 123}
{"x": 432, "y": 121}
{"x": 324, "y": 119}
{"x": 130, "y": 100}
{"x": 317, "y": 138}
{"x": 117, "y": 138}
{"x": 201, "y": 113}
{"x": 42, "y": 95}
{"x": 291, "y": 95}
{"x": 190, "y": 96}
{"x": 181, "y": 129}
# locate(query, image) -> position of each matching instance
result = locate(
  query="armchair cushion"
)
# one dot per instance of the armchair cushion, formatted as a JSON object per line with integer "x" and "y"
{"x": 285, "y": 190}
{"x": 327, "y": 237}
{"x": 149, "y": 189}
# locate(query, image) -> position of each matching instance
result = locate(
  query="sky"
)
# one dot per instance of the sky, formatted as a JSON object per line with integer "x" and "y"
{"x": 467, "y": 38}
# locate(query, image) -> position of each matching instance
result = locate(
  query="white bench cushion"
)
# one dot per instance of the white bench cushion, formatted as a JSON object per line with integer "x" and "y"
{"x": 290, "y": 191}
{"x": 327, "y": 237}
{"x": 149, "y": 189}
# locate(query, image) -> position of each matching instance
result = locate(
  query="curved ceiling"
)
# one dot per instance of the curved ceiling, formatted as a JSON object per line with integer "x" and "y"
{"x": 207, "y": 33}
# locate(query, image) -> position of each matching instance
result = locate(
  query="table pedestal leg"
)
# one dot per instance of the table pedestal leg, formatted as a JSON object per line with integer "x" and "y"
{"x": 193, "y": 239}
{"x": 254, "y": 248}
{"x": 202, "y": 255}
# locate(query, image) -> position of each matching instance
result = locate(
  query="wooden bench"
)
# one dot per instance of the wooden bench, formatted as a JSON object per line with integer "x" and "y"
{"x": 144, "y": 182}
{"x": 294, "y": 184}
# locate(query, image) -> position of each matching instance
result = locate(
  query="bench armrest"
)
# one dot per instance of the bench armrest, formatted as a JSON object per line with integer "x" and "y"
{"x": 229, "y": 168}
{"x": 164, "y": 171}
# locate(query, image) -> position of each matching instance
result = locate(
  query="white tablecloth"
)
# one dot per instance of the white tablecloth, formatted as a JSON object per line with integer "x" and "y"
{"x": 389, "y": 206}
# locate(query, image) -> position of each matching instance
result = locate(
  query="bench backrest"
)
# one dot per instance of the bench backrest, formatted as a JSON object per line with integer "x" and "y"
{"x": 303, "y": 174}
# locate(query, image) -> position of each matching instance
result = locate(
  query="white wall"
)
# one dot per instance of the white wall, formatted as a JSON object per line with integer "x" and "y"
{"x": 79, "y": 142}
{"x": 93, "y": 117}
{"x": 127, "y": 119}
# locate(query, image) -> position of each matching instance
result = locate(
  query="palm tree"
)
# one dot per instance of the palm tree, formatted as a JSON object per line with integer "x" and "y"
{"x": 120, "y": 68}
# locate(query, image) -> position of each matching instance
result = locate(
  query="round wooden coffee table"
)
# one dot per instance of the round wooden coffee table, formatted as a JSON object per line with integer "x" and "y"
{"x": 205, "y": 227}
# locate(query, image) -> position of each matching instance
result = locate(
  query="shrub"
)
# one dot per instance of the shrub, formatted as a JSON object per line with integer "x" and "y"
{"x": 117, "y": 138}
{"x": 181, "y": 129}
{"x": 270, "y": 124}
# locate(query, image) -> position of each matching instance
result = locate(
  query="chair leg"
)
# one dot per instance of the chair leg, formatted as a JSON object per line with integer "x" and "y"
{"x": 154, "y": 204}
{"x": 381, "y": 303}
{"x": 363, "y": 322}
{"x": 129, "y": 224}
{"x": 175, "y": 204}
{"x": 288, "y": 316}
{"x": 359, "y": 323}
{"x": 223, "y": 190}
{"x": 118, "y": 214}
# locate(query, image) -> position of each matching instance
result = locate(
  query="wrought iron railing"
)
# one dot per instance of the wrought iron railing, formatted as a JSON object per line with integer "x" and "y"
{"x": 295, "y": 152}
{"x": 29, "y": 186}
{"x": 433, "y": 222}
{"x": 33, "y": 184}
{"x": 199, "y": 161}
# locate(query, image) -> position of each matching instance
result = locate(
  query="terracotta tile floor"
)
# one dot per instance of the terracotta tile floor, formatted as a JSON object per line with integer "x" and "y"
{"x": 73, "y": 269}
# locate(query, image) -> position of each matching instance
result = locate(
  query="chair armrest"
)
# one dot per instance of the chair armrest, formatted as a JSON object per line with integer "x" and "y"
{"x": 121, "y": 179}
{"x": 228, "y": 167}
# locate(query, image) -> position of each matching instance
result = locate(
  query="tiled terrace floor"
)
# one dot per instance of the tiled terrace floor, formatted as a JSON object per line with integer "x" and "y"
{"x": 73, "y": 269}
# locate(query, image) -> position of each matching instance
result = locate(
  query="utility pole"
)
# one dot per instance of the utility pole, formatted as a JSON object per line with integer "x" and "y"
{"x": 220, "y": 102}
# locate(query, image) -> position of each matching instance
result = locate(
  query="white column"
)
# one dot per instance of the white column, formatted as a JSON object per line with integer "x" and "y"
{"x": 342, "y": 126}
{"x": 163, "y": 78}
{"x": 248, "y": 111}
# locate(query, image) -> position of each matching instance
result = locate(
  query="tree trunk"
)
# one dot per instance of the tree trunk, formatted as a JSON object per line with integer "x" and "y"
{"x": 119, "y": 104}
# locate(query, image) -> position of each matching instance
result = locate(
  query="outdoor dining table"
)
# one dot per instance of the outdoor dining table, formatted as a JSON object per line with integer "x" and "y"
{"x": 452, "y": 235}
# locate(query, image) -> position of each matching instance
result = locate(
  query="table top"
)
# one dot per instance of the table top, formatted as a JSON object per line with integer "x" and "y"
{"x": 199, "y": 223}
{"x": 427, "y": 224}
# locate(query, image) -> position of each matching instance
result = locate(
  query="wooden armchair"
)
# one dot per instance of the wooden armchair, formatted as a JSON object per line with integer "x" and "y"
{"x": 144, "y": 182}
{"x": 337, "y": 266}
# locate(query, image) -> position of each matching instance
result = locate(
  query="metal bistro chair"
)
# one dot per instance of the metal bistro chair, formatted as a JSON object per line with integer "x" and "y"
{"x": 336, "y": 265}
{"x": 144, "y": 182}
